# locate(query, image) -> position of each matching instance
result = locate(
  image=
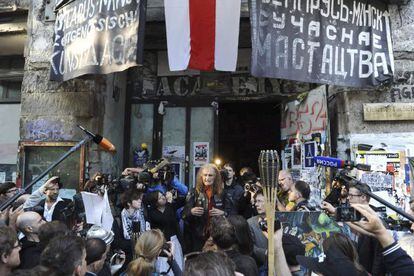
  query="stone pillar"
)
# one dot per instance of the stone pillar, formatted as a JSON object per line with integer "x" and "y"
{"x": 51, "y": 110}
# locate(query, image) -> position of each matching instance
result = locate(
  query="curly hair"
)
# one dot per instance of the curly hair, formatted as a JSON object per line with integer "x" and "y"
{"x": 218, "y": 183}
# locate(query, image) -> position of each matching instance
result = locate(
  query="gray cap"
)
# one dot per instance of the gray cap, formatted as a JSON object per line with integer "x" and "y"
{"x": 97, "y": 231}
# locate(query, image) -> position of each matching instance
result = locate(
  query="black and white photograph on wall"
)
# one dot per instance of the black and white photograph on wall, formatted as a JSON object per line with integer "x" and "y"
{"x": 296, "y": 156}
{"x": 177, "y": 170}
{"x": 287, "y": 158}
{"x": 200, "y": 152}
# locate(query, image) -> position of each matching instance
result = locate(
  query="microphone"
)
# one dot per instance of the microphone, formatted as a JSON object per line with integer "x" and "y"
{"x": 101, "y": 141}
{"x": 339, "y": 163}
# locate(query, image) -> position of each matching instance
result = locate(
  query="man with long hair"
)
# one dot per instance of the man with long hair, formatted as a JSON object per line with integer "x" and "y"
{"x": 204, "y": 202}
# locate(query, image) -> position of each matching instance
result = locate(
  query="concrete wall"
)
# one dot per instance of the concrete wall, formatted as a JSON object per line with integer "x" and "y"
{"x": 9, "y": 129}
{"x": 51, "y": 110}
{"x": 114, "y": 115}
{"x": 346, "y": 105}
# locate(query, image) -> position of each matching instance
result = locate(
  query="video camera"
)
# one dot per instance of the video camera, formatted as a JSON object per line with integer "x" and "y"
{"x": 156, "y": 172}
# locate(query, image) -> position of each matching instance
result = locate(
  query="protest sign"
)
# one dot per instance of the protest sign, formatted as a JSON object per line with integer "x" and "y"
{"x": 341, "y": 42}
{"x": 312, "y": 228}
{"x": 97, "y": 37}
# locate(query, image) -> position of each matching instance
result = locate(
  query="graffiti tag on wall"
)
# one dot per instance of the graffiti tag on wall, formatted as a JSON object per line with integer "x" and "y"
{"x": 307, "y": 117}
{"x": 45, "y": 130}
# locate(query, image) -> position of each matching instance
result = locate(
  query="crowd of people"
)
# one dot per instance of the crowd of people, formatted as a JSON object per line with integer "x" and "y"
{"x": 161, "y": 227}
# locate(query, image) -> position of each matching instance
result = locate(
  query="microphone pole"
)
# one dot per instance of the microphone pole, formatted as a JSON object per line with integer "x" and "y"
{"x": 43, "y": 174}
{"x": 98, "y": 139}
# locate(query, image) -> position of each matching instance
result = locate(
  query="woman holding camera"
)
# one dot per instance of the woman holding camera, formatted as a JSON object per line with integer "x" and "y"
{"x": 148, "y": 248}
{"x": 204, "y": 202}
{"x": 162, "y": 215}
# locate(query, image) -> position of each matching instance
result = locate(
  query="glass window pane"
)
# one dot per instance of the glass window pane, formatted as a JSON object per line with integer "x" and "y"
{"x": 202, "y": 130}
{"x": 142, "y": 123}
{"x": 174, "y": 136}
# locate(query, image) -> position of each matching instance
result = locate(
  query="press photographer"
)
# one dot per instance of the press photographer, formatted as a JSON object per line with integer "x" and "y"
{"x": 156, "y": 175}
{"x": 368, "y": 248}
{"x": 251, "y": 185}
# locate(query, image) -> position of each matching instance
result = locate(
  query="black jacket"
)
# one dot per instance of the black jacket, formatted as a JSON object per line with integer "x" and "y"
{"x": 397, "y": 261}
{"x": 195, "y": 227}
{"x": 370, "y": 257}
{"x": 29, "y": 254}
{"x": 244, "y": 263}
{"x": 165, "y": 221}
{"x": 232, "y": 197}
{"x": 57, "y": 212}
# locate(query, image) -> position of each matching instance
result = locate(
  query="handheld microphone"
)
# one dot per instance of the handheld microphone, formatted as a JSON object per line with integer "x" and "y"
{"x": 339, "y": 163}
{"x": 101, "y": 141}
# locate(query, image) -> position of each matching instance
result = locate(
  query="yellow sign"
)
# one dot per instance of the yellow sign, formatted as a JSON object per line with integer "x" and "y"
{"x": 388, "y": 111}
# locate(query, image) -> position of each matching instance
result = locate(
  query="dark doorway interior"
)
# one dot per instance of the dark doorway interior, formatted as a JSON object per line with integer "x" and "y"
{"x": 245, "y": 129}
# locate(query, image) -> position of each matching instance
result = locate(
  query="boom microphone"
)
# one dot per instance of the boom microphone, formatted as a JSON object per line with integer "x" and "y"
{"x": 101, "y": 141}
{"x": 339, "y": 163}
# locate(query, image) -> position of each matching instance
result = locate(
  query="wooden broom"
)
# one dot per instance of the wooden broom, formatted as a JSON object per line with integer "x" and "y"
{"x": 269, "y": 171}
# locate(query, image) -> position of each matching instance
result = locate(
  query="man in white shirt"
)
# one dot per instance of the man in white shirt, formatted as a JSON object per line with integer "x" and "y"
{"x": 52, "y": 206}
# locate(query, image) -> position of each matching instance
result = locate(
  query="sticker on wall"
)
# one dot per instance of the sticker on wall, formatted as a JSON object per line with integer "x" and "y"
{"x": 200, "y": 152}
{"x": 309, "y": 153}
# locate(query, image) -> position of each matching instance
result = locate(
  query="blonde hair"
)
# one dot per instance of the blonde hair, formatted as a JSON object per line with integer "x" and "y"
{"x": 147, "y": 248}
{"x": 218, "y": 183}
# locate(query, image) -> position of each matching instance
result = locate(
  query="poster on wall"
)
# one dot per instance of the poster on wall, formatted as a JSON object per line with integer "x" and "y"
{"x": 201, "y": 153}
{"x": 174, "y": 153}
{"x": 344, "y": 42}
{"x": 379, "y": 160}
{"x": 378, "y": 181}
{"x": 99, "y": 38}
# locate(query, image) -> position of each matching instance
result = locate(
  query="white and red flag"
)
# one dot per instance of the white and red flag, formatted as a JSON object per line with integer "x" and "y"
{"x": 202, "y": 34}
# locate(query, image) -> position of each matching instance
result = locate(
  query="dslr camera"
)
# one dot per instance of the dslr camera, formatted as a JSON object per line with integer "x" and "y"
{"x": 347, "y": 213}
{"x": 166, "y": 247}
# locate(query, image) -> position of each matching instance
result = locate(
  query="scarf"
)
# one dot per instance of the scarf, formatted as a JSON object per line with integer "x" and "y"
{"x": 127, "y": 220}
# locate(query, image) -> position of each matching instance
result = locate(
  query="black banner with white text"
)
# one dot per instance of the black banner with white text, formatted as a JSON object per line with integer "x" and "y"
{"x": 97, "y": 37}
{"x": 340, "y": 42}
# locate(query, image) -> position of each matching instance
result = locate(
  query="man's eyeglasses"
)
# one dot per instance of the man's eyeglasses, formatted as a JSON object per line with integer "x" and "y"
{"x": 351, "y": 195}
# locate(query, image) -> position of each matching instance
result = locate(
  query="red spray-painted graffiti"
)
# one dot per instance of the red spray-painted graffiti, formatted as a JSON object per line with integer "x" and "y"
{"x": 305, "y": 118}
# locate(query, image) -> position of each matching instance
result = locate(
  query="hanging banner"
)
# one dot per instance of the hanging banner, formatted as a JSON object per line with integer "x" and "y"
{"x": 97, "y": 37}
{"x": 332, "y": 42}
